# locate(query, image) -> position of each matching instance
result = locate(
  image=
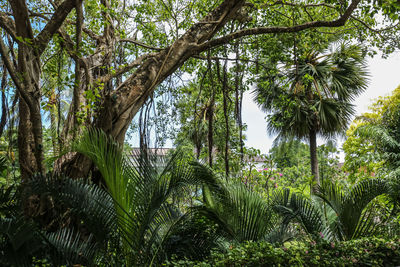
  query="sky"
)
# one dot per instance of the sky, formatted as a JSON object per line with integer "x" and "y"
{"x": 384, "y": 78}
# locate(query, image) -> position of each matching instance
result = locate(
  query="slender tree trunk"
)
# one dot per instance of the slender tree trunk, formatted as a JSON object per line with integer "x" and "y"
{"x": 210, "y": 130}
{"x": 53, "y": 127}
{"x": 239, "y": 101}
{"x": 4, "y": 105}
{"x": 314, "y": 156}
{"x": 198, "y": 150}
{"x": 226, "y": 116}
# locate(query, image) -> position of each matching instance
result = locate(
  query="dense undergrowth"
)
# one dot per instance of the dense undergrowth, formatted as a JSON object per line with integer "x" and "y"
{"x": 371, "y": 251}
{"x": 175, "y": 211}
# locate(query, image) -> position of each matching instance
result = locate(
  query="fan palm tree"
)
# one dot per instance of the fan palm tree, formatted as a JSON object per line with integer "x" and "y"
{"x": 313, "y": 97}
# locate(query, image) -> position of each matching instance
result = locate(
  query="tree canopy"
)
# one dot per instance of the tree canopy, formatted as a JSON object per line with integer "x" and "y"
{"x": 106, "y": 58}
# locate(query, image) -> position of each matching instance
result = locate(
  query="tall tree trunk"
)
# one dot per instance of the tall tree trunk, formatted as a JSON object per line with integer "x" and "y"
{"x": 239, "y": 100}
{"x": 225, "y": 94}
{"x": 314, "y": 156}
{"x": 211, "y": 129}
{"x": 30, "y": 146}
{"x": 4, "y": 106}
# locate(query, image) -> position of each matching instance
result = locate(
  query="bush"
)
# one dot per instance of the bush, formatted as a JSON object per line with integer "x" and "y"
{"x": 362, "y": 252}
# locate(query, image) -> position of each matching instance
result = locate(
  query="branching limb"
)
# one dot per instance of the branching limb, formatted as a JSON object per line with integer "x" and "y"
{"x": 379, "y": 32}
{"x": 13, "y": 73}
{"x": 136, "y": 42}
{"x": 136, "y": 63}
{"x": 8, "y": 25}
{"x": 264, "y": 30}
{"x": 54, "y": 24}
{"x": 284, "y": 3}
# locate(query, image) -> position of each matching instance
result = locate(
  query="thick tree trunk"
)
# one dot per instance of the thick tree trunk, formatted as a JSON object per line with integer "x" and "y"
{"x": 30, "y": 140}
{"x": 314, "y": 156}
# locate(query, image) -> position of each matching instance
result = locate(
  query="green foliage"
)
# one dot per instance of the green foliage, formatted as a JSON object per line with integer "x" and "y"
{"x": 241, "y": 213}
{"x": 24, "y": 241}
{"x": 354, "y": 218}
{"x": 193, "y": 238}
{"x": 297, "y": 208}
{"x": 292, "y": 160}
{"x": 372, "y": 146}
{"x": 362, "y": 252}
{"x": 314, "y": 94}
{"x": 143, "y": 188}
{"x": 289, "y": 153}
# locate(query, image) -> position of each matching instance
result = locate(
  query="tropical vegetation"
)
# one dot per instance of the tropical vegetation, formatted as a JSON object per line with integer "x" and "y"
{"x": 94, "y": 92}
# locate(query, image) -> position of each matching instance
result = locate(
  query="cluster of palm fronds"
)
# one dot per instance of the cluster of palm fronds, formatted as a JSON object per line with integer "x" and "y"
{"x": 137, "y": 222}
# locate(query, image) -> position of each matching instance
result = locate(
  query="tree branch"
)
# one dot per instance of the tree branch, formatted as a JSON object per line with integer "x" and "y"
{"x": 232, "y": 59}
{"x": 368, "y": 27}
{"x": 8, "y": 25}
{"x": 54, "y": 24}
{"x": 90, "y": 33}
{"x": 136, "y": 63}
{"x": 284, "y": 3}
{"x": 13, "y": 73}
{"x": 264, "y": 30}
{"x": 136, "y": 42}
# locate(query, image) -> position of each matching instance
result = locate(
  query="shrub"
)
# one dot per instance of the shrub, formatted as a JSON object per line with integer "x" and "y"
{"x": 361, "y": 252}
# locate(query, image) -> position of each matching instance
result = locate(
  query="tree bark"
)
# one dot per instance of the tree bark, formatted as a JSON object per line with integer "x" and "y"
{"x": 314, "y": 156}
{"x": 4, "y": 111}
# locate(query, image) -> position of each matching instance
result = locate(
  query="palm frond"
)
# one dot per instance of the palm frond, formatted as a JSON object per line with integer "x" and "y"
{"x": 19, "y": 241}
{"x": 297, "y": 208}
{"x": 91, "y": 204}
{"x": 69, "y": 248}
{"x": 142, "y": 187}
{"x": 241, "y": 213}
{"x": 350, "y": 207}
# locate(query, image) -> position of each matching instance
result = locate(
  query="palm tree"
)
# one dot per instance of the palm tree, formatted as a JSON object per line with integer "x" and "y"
{"x": 354, "y": 214}
{"x": 81, "y": 220}
{"x": 313, "y": 97}
{"x": 244, "y": 215}
{"x": 143, "y": 188}
{"x": 241, "y": 214}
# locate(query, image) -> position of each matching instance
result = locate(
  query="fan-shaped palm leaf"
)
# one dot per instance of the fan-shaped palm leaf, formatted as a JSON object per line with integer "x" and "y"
{"x": 314, "y": 96}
